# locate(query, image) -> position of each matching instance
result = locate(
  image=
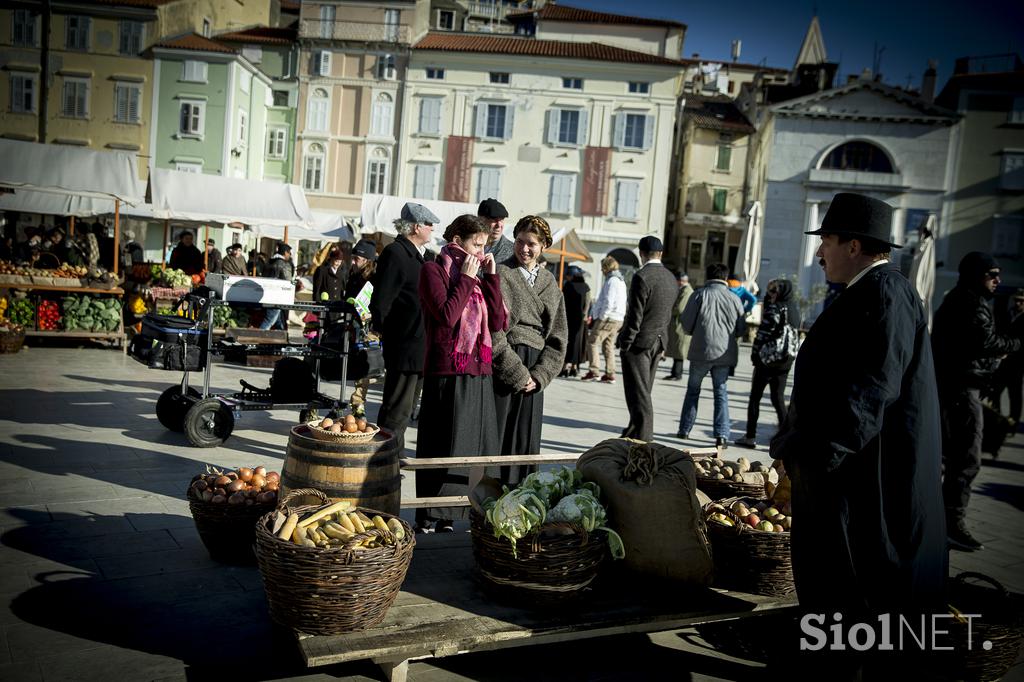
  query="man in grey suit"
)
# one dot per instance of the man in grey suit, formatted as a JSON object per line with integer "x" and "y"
{"x": 642, "y": 338}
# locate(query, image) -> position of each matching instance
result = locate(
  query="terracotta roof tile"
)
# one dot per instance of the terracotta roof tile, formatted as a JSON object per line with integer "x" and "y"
{"x": 716, "y": 113}
{"x": 554, "y": 12}
{"x": 194, "y": 41}
{"x": 266, "y": 35}
{"x": 462, "y": 42}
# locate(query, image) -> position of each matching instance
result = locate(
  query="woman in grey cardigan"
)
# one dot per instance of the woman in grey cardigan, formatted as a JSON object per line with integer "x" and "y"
{"x": 530, "y": 354}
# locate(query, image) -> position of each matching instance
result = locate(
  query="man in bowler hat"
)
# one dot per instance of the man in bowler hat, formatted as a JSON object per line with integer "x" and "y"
{"x": 861, "y": 442}
{"x": 641, "y": 340}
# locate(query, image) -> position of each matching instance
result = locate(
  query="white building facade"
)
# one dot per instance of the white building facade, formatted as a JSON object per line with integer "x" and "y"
{"x": 580, "y": 134}
{"x": 864, "y": 137}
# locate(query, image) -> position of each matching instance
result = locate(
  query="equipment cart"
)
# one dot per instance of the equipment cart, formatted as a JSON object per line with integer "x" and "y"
{"x": 186, "y": 343}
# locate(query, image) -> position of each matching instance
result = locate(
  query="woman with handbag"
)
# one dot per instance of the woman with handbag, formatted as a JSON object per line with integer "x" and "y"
{"x": 460, "y": 294}
{"x": 773, "y": 352}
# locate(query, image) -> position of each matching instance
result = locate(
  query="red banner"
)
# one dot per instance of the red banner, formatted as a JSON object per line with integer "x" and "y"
{"x": 597, "y": 163}
{"x": 458, "y": 168}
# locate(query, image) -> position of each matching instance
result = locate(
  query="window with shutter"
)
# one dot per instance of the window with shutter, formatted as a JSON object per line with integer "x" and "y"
{"x": 277, "y": 143}
{"x": 386, "y": 67}
{"x": 424, "y": 181}
{"x": 23, "y": 94}
{"x": 76, "y": 32}
{"x": 430, "y": 116}
{"x": 627, "y": 199}
{"x": 23, "y": 27}
{"x": 633, "y": 131}
{"x": 75, "y": 99}
{"x": 254, "y": 53}
{"x": 569, "y": 126}
{"x": 562, "y": 190}
{"x": 724, "y": 160}
{"x": 194, "y": 71}
{"x": 126, "y": 103}
{"x": 243, "y": 126}
{"x": 496, "y": 120}
{"x": 322, "y": 66}
{"x": 327, "y": 15}
{"x": 192, "y": 118}
{"x": 377, "y": 173}
{"x": 435, "y": 74}
{"x": 391, "y": 25}
{"x": 382, "y": 118}
{"x": 130, "y": 42}
{"x": 488, "y": 184}
{"x": 313, "y": 168}
{"x": 718, "y": 201}
{"x": 319, "y": 110}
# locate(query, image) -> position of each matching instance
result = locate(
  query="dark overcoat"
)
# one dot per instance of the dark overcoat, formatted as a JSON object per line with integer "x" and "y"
{"x": 395, "y": 306}
{"x": 862, "y": 446}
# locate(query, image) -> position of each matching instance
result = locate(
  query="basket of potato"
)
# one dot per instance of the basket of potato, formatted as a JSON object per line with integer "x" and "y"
{"x": 349, "y": 428}
{"x": 226, "y": 505}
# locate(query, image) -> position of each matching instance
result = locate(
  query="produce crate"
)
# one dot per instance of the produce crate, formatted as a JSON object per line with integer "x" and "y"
{"x": 552, "y": 565}
{"x": 11, "y": 341}
{"x": 335, "y": 589}
{"x": 747, "y": 559}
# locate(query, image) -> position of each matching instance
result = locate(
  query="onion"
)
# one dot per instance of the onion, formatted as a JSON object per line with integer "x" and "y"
{"x": 221, "y": 481}
{"x": 271, "y": 486}
{"x": 235, "y": 486}
{"x": 245, "y": 473}
{"x": 220, "y": 491}
{"x": 219, "y": 499}
{"x": 206, "y": 495}
{"x": 264, "y": 498}
{"x": 262, "y": 471}
{"x": 273, "y": 477}
{"x": 200, "y": 485}
{"x": 258, "y": 481}
{"x": 237, "y": 498}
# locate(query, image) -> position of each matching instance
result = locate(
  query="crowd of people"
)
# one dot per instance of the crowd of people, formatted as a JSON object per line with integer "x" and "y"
{"x": 89, "y": 245}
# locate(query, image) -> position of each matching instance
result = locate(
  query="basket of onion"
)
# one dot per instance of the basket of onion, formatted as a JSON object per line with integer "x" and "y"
{"x": 350, "y": 428}
{"x": 226, "y": 505}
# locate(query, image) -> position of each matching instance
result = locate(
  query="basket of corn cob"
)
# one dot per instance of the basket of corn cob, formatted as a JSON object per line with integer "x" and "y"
{"x": 331, "y": 568}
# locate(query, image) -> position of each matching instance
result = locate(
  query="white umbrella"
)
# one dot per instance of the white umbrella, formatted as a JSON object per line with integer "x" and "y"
{"x": 922, "y": 270}
{"x": 750, "y": 248}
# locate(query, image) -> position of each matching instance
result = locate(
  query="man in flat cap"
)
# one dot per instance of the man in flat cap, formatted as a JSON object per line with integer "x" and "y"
{"x": 967, "y": 352}
{"x": 494, "y": 212}
{"x": 642, "y": 337}
{"x": 397, "y": 317}
{"x": 861, "y": 442}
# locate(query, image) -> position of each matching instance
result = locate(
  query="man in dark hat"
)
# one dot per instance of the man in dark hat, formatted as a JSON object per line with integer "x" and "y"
{"x": 213, "y": 256}
{"x": 494, "y": 212}
{"x": 398, "y": 318}
{"x": 967, "y": 352}
{"x": 185, "y": 256}
{"x": 861, "y": 441}
{"x": 642, "y": 337}
{"x": 234, "y": 264}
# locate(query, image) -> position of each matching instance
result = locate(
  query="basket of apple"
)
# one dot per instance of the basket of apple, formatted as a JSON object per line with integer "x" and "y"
{"x": 750, "y": 545}
{"x": 350, "y": 428}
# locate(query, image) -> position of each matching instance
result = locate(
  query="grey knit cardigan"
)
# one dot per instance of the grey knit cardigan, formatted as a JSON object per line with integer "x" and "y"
{"x": 536, "y": 318}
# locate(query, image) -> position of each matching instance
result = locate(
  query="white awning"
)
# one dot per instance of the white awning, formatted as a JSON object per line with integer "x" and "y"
{"x": 573, "y": 249}
{"x": 66, "y": 170}
{"x": 379, "y": 211}
{"x": 177, "y": 195}
{"x": 326, "y": 227}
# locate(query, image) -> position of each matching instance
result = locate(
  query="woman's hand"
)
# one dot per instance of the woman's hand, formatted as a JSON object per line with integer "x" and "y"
{"x": 490, "y": 267}
{"x": 470, "y": 266}
{"x": 530, "y": 386}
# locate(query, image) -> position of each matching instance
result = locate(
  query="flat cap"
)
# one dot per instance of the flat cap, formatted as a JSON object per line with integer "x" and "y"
{"x": 651, "y": 244}
{"x": 493, "y": 209}
{"x": 418, "y": 213}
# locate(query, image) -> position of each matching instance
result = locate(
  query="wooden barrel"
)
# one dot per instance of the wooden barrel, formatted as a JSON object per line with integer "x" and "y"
{"x": 365, "y": 474}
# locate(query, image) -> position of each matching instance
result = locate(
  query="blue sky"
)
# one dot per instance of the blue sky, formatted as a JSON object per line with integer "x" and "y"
{"x": 911, "y": 32}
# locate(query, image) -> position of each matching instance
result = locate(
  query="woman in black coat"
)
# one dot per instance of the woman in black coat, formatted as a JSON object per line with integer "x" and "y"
{"x": 577, "y": 303}
{"x": 780, "y": 316}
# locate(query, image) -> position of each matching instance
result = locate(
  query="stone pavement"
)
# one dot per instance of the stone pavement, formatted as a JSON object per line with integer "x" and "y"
{"x": 102, "y": 575}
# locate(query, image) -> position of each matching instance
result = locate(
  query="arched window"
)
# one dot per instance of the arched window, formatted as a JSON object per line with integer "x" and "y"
{"x": 858, "y": 156}
{"x": 319, "y": 110}
{"x": 313, "y": 168}
{"x": 383, "y": 108}
{"x": 628, "y": 263}
{"x": 377, "y": 172}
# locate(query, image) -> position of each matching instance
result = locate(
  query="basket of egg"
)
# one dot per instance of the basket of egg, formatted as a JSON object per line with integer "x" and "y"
{"x": 348, "y": 429}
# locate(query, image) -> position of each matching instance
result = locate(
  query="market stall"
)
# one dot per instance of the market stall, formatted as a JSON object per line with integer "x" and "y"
{"x": 59, "y": 299}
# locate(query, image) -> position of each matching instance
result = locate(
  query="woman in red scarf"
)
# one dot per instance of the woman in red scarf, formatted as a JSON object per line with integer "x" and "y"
{"x": 461, "y": 298}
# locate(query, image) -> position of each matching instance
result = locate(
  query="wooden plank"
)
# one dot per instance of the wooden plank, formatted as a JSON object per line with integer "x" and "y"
{"x": 116, "y": 291}
{"x": 415, "y": 463}
{"x": 424, "y": 502}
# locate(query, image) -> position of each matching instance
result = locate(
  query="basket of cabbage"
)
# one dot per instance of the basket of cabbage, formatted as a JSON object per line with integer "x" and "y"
{"x": 543, "y": 540}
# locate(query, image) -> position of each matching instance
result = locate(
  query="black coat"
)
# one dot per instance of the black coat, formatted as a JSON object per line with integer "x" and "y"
{"x": 966, "y": 345}
{"x": 577, "y": 300}
{"x": 333, "y": 283}
{"x": 188, "y": 259}
{"x": 395, "y": 306}
{"x": 862, "y": 446}
{"x": 652, "y": 297}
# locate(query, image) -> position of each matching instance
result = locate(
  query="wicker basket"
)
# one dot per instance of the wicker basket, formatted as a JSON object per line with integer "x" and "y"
{"x": 750, "y": 560}
{"x": 717, "y": 489}
{"x": 344, "y": 436}
{"x": 228, "y": 530}
{"x": 11, "y": 342}
{"x": 329, "y": 590}
{"x": 1000, "y": 622}
{"x": 554, "y": 564}
{"x": 745, "y": 637}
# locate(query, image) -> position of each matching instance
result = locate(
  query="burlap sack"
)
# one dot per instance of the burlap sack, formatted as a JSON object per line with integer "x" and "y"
{"x": 650, "y": 491}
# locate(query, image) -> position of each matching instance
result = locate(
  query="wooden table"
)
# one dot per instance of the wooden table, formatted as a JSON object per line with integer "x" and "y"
{"x": 442, "y": 611}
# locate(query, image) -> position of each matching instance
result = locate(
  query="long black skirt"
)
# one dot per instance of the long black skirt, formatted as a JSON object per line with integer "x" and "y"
{"x": 520, "y": 418}
{"x": 456, "y": 420}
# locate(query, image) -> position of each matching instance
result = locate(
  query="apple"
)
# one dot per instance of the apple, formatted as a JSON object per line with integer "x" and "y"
{"x": 770, "y": 512}
{"x": 779, "y": 529}
{"x": 752, "y": 520}
{"x": 766, "y": 526}
{"x": 739, "y": 508}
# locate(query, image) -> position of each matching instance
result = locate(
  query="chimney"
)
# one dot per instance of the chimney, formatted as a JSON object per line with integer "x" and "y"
{"x": 736, "y": 44}
{"x": 928, "y": 82}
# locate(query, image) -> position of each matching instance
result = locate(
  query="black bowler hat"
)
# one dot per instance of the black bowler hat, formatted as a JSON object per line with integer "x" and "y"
{"x": 857, "y": 215}
{"x": 492, "y": 209}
